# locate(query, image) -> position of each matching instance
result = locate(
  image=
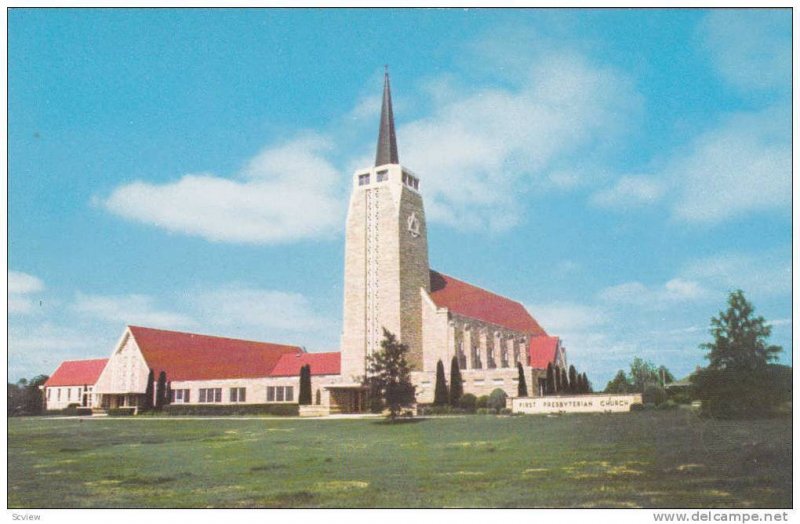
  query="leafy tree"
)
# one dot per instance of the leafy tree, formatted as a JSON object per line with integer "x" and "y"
{"x": 389, "y": 374}
{"x": 456, "y": 383}
{"x": 565, "y": 387}
{"x": 148, "y": 391}
{"x": 522, "y": 386}
{"x": 25, "y": 397}
{"x": 550, "y": 381}
{"x": 161, "y": 390}
{"x": 468, "y": 402}
{"x": 573, "y": 380}
{"x": 664, "y": 376}
{"x": 304, "y": 396}
{"x": 441, "y": 396}
{"x": 738, "y": 381}
{"x": 619, "y": 384}
{"x": 642, "y": 374}
{"x": 497, "y": 399}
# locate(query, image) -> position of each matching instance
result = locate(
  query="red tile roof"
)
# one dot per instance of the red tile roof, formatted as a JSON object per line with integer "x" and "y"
{"x": 474, "y": 302}
{"x": 321, "y": 364}
{"x": 77, "y": 373}
{"x": 188, "y": 356}
{"x": 542, "y": 351}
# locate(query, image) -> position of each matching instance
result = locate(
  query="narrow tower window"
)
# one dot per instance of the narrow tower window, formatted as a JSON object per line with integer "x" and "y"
{"x": 363, "y": 180}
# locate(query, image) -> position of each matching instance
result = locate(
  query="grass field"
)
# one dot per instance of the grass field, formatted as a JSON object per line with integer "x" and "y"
{"x": 648, "y": 459}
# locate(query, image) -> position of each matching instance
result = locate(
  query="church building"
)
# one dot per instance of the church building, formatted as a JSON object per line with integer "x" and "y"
{"x": 389, "y": 284}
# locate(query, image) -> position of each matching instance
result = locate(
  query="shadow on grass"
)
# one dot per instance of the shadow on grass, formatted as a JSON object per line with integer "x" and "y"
{"x": 398, "y": 421}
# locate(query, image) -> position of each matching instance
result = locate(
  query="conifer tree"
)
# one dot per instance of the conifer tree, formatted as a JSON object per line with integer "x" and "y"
{"x": 573, "y": 380}
{"x": 564, "y": 382}
{"x": 550, "y": 381}
{"x": 456, "y": 383}
{"x": 148, "y": 392}
{"x": 389, "y": 375}
{"x": 739, "y": 381}
{"x": 587, "y": 386}
{"x": 440, "y": 396}
{"x": 304, "y": 396}
{"x": 557, "y": 373}
{"x": 522, "y": 386}
{"x": 161, "y": 389}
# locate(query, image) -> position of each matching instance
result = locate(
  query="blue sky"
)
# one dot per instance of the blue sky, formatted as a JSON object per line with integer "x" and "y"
{"x": 617, "y": 171}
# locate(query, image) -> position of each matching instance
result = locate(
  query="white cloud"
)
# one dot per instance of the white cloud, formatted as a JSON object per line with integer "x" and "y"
{"x": 479, "y": 151}
{"x": 629, "y": 192}
{"x": 284, "y": 194}
{"x": 129, "y": 309}
{"x": 256, "y": 310}
{"x": 21, "y": 287}
{"x": 762, "y": 275}
{"x": 751, "y": 49}
{"x": 23, "y": 283}
{"x": 742, "y": 166}
{"x": 653, "y": 297}
{"x": 565, "y": 317}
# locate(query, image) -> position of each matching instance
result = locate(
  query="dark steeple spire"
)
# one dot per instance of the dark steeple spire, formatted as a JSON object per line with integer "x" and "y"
{"x": 387, "y": 141}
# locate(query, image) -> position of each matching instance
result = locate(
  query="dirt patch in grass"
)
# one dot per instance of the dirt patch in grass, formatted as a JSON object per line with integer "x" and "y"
{"x": 288, "y": 499}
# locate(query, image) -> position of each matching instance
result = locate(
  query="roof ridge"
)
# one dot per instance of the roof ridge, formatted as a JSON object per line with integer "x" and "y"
{"x": 479, "y": 287}
{"x": 213, "y": 336}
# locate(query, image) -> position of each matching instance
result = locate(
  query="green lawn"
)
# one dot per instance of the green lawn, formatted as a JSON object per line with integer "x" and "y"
{"x": 648, "y": 459}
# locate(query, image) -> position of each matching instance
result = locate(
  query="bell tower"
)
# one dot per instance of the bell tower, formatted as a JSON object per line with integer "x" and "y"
{"x": 386, "y": 255}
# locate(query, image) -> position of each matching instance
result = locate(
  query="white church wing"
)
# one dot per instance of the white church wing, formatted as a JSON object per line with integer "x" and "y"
{"x": 126, "y": 371}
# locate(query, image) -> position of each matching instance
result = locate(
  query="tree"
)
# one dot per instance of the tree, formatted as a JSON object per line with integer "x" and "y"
{"x": 643, "y": 373}
{"x": 587, "y": 386}
{"x": 573, "y": 380}
{"x": 550, "y": 381}
{"x": 619, "y": 384}
{"x": 497, "y": 399}
{"x": 304, "y": 396}
{"x": 664, "y": 376}
{"x": 579, "y": 384}
{"x": 440, "y": 395}
{"x": 389, "y": 374}
{"x": 25, "y": 397}
{"x": 522, "y": 386}
{"x": 456, "y": 383}
{"x": 161, "y": 389}
{"x": 148, "y": 391}
{"x": 565, "y": 387}
{"x": 557, "y": 373}
{"x": 740, "y": 338}
{"x": 738, "y": 381}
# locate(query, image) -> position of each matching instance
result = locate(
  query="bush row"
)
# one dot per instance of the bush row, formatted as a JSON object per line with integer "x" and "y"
{"x": 232, "y": 409}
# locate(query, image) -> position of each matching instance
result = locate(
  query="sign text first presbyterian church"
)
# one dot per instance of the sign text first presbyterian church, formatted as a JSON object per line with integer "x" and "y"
{"x": 387, "y": 284}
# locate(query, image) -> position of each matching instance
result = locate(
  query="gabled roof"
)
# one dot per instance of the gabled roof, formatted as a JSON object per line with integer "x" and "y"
{"x": 321, "y": 364}
{"x": 189, "y": 356}
{"x": 386, "y": 152}
{"x": 542, "y": 351}
{"x": 474, "y": 302}
{"x": 77, "y": 373}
